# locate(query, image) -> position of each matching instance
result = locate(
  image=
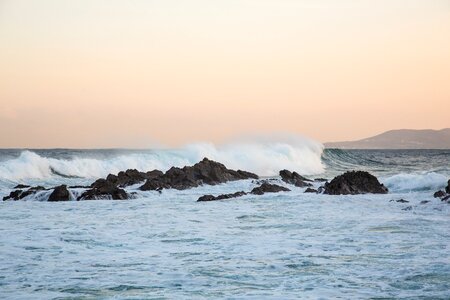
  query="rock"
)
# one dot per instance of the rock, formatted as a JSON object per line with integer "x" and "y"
{"x": 204, "y": 172}
{"x": 310, "y": 190}
{"x": 447, "y": 189}
{"x": 20, "y": 194}
{"x": 321, "y": 179}
{"x": 445, "y": 198}
{"x": 294, "y": 178}
{"x": 402, "y": 201}
{"x": 60, "y": 193}
{"x": 424, "y": 202}
{"x": 21, "y": 186}
{"x": 439, "y": 194}
{"x": 407, "y": 208}
{"x": 355, "y": 182}
{"x": 221, "y": 197}
{"x": 104, "y": 189}
{"x": 268, "y": 188}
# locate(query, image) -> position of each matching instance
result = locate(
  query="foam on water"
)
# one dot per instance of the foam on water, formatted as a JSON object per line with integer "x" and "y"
{"x": 416, "y": 182}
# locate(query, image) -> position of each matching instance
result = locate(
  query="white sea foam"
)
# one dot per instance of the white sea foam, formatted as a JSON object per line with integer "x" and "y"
{"x": 415, "y": 182}
{"x": 262, "y": 157}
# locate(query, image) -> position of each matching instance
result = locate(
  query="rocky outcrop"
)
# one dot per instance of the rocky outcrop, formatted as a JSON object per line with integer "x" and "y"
{"x": 355, "y": 182}
{"x": 128, "y": 177}
{"x": 20, "y": 193}
{"x": 221, "y": 197}
{"x": 104, "y": 189}
{"x": 204, "y": 172}
{"x": 268, "y": 188}
{"x": 294, "y": 178}
{"x": 445, "y": 194}
{"x": 60, "y": 193}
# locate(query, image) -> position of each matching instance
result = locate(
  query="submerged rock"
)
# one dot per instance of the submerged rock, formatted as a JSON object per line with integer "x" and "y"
{"x": 268, "y": 188}
{"x": 204, "y": 172}
{"x": 310, "y": 190}
{"x": 439, "y": 194}
{"x": 60, "y": 193}
{"x": 355, "y": 182}
{"x": 294, "y": 178}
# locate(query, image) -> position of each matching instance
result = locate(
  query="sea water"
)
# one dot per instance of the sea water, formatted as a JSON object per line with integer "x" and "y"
{"x": 287, "y": 245}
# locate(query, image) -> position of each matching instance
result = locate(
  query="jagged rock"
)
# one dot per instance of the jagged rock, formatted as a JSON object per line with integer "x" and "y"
{"x": 355, "y": 182}
{"x": 268, "y": 188}
{"x": 104, "y": 189}
{"x": 60, "y": 193}
{"x": 310, "y": 190}
{"x": 439, "y": 194}
{"x": 294, "y": 178}
{"x": 128, "y": 177}
{"x": 221, "y": 197}
{"x": 204, "y": 172}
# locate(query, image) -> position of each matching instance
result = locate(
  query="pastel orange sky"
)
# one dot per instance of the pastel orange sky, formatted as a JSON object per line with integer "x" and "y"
{"x": 82, "y": 74}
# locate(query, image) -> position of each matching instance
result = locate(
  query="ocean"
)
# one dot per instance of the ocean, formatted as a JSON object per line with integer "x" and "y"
{"x": 288, "y": 245}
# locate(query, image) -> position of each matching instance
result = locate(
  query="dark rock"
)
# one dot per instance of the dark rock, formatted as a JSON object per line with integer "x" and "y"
{"x": 355, "y": 182}
{"x": 20, "y": 194}
{"x": 446, "y": 198}
{"x": 407, "y": 208}
{"x": 204, "y": 172}
{"x": 221, "y": 197}
{"x": 310, "y": 190}
{"x": 79, "y": 187}
{"x": 294, "y": 178}
{"x": 424, "y": 202}
{"x": 320, "y": 179}
{"x": 104, "y": 189}
{"x": 439, "y": 194}
{"x": 402, "y": 201}
{"x": 60, "y": 193}
{"x": 268, "y": 188}
{"x": 21, "y": 186}
{"x": 447, "y": 189}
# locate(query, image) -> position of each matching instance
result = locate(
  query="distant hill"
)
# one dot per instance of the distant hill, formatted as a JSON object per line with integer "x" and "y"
{"x": 400, "y": 139}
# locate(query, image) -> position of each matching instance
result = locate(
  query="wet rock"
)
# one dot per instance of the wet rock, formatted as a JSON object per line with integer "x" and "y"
{"x": 402, "y": 201}
{"x": 439, "y": 194}
{"x": 268, "y": 188}
{"x": 424, "y": 202}
{"x": 204, "y": 172}
{"x": 221, "y": 197}
{"x": 447, "y": 188}
{"x": 446, "y": 198}
{"x": 21, "y": 186}
{"x": 355, "y": 182}
{"x": 20, "y": 194}
{"x": 310, "y": 190}
{"x": 60, "y": 193}
{"x": 294, "y": 178}
{"x": 104, "y": 189}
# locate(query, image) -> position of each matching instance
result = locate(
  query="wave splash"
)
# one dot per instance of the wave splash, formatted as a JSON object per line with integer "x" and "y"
{"x": 263, "y": 157}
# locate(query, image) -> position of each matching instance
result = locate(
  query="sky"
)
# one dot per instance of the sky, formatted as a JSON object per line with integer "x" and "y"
{"x": 99, "y": 74}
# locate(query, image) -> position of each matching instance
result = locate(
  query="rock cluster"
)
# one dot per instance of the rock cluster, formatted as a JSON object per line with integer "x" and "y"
{"x": 204, "y": 172}
{"x": 260, "y": 190}
{"x": 354, "y": 182}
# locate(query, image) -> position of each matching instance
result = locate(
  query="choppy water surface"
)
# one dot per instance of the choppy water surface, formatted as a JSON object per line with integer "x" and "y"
{"x": 284, "y": 246}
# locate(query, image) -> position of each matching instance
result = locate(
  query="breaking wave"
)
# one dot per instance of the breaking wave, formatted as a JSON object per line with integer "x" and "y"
{"x": 265, "y": 158}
